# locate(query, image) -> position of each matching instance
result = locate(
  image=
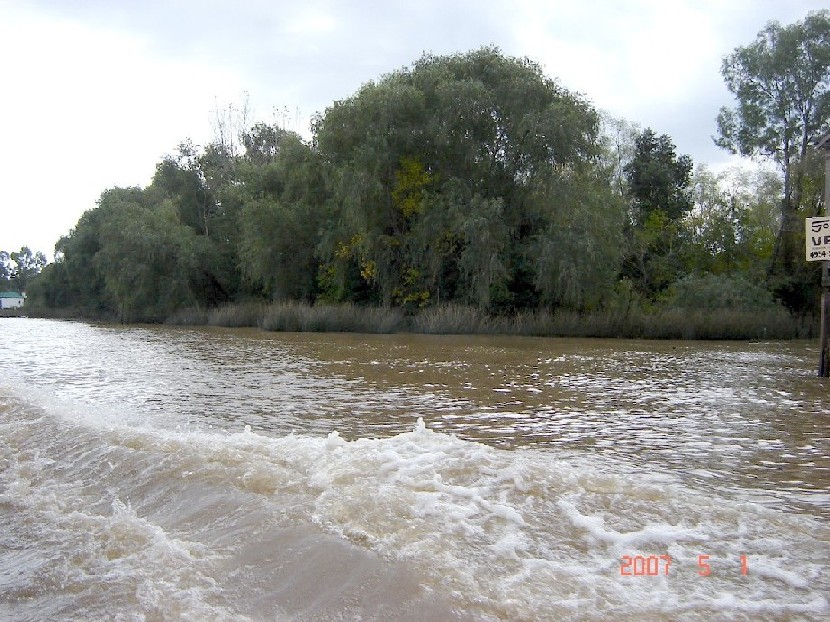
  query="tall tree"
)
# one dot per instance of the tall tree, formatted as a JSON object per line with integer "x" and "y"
{"x": 147, "y": 259}
{"x": 658, "y": 179}
{"x": 201, "y": 185}
{"x": 281, "y": 197}
{"x": 782, "y": 85}
{"x": 449, "y": 176}
{"x": 78, "y": 281}
{"x": 182, "y": 180}
{"x": 27, "y": 266}
{"x": 659, "y": 190}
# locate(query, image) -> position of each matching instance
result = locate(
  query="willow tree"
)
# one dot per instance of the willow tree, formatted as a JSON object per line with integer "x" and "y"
{"x": 459, "y": 178}
{"x": 782, "y": 85}
{"x": 281, "y": 194}
{"x": 146, "y": 260}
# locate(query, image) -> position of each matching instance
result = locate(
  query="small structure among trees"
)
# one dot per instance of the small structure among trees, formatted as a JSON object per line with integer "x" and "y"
{"x": 11, "y": 300}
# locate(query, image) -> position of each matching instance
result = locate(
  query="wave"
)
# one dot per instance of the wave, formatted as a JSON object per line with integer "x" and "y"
{"x": 108, "y": 517}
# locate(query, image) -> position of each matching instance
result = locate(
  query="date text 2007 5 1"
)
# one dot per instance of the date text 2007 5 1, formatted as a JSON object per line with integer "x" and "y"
{"x": 654, "y": 565}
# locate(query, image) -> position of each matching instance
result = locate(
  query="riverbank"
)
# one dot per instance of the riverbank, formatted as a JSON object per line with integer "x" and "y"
{"x": 674, "y": 323}
{"x": 457, "y": 319}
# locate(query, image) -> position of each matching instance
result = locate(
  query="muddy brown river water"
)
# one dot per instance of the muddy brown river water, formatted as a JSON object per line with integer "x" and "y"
{"x": 156, "y": 473}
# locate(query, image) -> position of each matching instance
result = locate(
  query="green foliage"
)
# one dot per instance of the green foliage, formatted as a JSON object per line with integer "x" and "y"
{"x": 782, "y": 85}
{"x": 281, "y": 198}
{"x": 576, "y": 260}
{"x": 733, "y": 223}
{"x": 721, "y": 291}
{"x": 658, "y": 187}
{"x": 5, "y": 270}
{"x": 75, "y": 281}
{"x": 276, "y": 249}
{"x": 145, "y": 260}
{"x": 179, "y": 179}
{"x": 132, "y": 257}
{"x": 466, "y": 193}
{"x": 19, "y": 269}
{"x": 781, "y": 82}
{"x": 451, "y": 180}
{"x": 658, "y": 179}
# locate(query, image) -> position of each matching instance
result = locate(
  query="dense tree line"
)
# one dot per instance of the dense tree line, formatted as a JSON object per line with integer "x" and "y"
{"x": 471, "y": 178}
{"x": 782, "y": 85}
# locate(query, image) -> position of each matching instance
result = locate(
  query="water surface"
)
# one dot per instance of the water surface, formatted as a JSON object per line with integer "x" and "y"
{"x": 177, "y": 473}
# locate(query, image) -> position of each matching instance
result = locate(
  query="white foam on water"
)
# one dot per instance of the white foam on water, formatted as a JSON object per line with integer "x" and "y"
{"x": 519, "y": 533}
{"x": 148, "y": 517}
{"x": 658, "y": 534}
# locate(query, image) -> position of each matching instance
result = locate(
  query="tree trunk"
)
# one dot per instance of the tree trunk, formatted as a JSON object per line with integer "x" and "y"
{"x": 783, "y": 251}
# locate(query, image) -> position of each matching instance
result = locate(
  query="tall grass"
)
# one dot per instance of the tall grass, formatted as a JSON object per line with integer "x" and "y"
{"x": 189, "y": 316}
{"x": 297, "y": 317}
{"x": 722, "y": 324}
{"x": 232, "y": 315}
{"x": 237, "y": 315}
{"x": 665, "y": 323}
{"x": 450, "y": 319}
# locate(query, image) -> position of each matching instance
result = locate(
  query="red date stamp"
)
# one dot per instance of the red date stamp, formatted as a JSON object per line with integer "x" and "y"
{"x": 655, "y": 565}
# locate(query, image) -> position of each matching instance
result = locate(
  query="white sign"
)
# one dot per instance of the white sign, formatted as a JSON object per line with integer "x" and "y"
{"x": 818, "y": 239}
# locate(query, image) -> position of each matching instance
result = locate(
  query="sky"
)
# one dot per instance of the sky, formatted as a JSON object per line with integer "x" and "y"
{"x": 94, "y": 93}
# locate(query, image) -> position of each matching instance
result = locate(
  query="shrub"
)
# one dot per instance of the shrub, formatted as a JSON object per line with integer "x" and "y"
{"x": 719, "y": 291}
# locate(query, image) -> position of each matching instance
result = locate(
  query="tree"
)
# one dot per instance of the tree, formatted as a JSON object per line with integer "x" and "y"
{"x": 78, "y": 281}
{"x": 201, "y": 186}
{"x": 451, "y": 179}
{"x": 658, "y": 187}
{"x": 658, "y": 179}
{"x": 133, "y": 258}
{"x": 619, "y": 145}
{"x": 48, "y": 289}
{"x": 182, "y": 180}
{"x": 27, "y": 266}
{"x": 782, "y": 85}
{"x": 147, "y": 260}
{"x": 470, "y": 178}
{"x": 733, "y": 223}
{"x": 281, "y": 197}
{"x": 5, "y": 270}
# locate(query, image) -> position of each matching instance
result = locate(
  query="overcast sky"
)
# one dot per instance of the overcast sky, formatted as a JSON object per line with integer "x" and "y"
{"x": 96, "y": 92}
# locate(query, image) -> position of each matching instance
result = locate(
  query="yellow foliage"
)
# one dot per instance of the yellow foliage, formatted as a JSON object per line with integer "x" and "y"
{"x": 420, "y": 298}
{"x": 410, "y": 276}
{"x": 410, "y": 181}
{"x": 368, "y": 270}
{"x": 344, "y": 250}
{"x": 327, "y": 279}
{"x": 407, "y": 295}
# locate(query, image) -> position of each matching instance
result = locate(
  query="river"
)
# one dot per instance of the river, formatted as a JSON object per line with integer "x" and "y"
{"x": 167, "y": 473}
